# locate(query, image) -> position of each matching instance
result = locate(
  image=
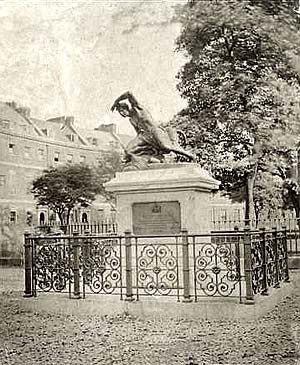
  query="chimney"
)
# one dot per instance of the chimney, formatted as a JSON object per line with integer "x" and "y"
{"x": 24, "y": 111}
{"x": 110, "y": 128}
{"x": 12, "y": 104}
{"x": 60, "y": 120}
{"x": 69, "y": 121}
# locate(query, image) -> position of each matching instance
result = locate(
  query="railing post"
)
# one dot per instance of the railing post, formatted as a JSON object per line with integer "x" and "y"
{"x": 128, "y": 265}
{"x": 85, "y": 254}
{"x": 264, "y": 260}
{"x": 185, "y": 267}
{"x": 28, "y": 266}
{"x": 286, "y": 256}
{"x": 238, "y": 255}
{"x": 76, "y": 248}
{"x": 248, "y": 266}
{"x": 276, "y": 263}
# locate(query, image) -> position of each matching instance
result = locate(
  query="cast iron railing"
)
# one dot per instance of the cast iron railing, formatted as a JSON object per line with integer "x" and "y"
{"x": 290, "y": 225}
{"x": 187, "y": 267}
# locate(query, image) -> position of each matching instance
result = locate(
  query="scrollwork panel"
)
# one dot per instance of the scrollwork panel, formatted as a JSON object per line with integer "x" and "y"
{"x": 216, "y": 269}
{"x": 102, "y": 265}
{"x": 52, "y": 269}
{"x": 157, "y": 269}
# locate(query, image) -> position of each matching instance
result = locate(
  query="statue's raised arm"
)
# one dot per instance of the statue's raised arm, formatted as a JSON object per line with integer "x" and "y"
{"x": 152, "y": 141}
{"x": 129, "y": 97}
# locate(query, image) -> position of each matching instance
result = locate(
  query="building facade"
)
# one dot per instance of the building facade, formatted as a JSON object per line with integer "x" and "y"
{"x": 28, "y": 146}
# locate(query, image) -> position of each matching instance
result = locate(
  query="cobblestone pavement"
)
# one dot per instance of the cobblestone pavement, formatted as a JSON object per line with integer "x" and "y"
{"x": 38, "y": 338}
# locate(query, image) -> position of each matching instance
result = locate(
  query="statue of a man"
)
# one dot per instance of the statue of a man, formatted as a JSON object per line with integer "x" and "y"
{"x": 152, "y": 141}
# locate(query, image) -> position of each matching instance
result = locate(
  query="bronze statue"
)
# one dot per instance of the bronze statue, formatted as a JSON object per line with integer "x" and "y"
{"x": 153, "y": 141}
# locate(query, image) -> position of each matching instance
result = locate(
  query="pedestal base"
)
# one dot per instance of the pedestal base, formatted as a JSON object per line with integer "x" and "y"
{"x": 175, "y": 196}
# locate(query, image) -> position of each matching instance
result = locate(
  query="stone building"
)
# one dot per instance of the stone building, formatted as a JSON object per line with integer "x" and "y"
{"x": 27, "y": 147}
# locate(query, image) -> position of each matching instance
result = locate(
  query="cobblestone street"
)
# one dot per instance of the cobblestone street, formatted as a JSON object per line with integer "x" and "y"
{"x": 28, "y": 337}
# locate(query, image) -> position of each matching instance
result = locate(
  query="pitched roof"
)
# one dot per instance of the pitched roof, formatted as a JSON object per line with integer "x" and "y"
{"x": 7, "y": 112}
{"x": 61, "y": 128}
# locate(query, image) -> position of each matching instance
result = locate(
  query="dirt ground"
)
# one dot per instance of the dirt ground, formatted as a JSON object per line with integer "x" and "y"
{"x": 28, "y": 337}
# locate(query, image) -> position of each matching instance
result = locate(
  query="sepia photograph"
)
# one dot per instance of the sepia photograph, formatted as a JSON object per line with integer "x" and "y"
{"x": 150, "y": 182}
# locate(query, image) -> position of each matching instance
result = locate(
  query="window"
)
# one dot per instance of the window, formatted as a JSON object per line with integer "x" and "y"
{"x": 82, "y": 159}
{"x": 56, "y": 156}
{"x": 13, "y": 216}
{"x": 4, "y": 124}
{"x": 29, "y": 218}
{"x": 71, "y": 137}
{"x": 41, "y": 154}
{"x": 27, "y": 152}
{"x": 2, "y": 180}
{"x": 11, "y": 148}
{"x": 84, "y": 218}
{"x": 42, "y": 218}
{"x": 69, "y": 158}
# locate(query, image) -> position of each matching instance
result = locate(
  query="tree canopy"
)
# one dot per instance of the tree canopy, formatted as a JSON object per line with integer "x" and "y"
{"x": 241, "y": 84}
{"x": 62, "y": 188}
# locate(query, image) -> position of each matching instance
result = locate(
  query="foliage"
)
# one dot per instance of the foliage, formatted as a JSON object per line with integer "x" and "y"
{"x": 241, "y": 83}
{"x": 291, "y": 195}
{"x": 62, "y": 188}
{"x": 267, "y": 196}
{"x": 109, "y": 164}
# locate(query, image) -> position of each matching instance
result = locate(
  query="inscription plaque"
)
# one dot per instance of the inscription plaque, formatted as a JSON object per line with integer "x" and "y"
{"x": 156, "y": 218}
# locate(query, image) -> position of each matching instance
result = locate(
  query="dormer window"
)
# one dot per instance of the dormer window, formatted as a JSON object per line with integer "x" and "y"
{"x": 71, "y": 137}
{"x": 4, "y": 124}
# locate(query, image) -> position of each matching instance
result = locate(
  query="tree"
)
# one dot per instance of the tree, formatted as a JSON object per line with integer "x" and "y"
{"x": 62, "y": 188}
{"x": 109, "y": 164}
{"x": 291, "y": 195}
{"x": 267, "y": 196}
{"x": 241, "y": 83}
{"x": 291, "y": 187}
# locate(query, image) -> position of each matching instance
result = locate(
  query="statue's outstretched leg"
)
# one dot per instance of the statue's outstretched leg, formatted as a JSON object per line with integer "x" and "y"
{"x": 168, "y": 143}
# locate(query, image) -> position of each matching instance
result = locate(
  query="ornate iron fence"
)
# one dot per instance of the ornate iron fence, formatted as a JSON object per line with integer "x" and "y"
{"x": 217, "y": 266}
{"x": 291, "y": 225}
{"x": 269, "y": 256}
{"x": 52, "y": 265}
{"x": 187, "y": 267}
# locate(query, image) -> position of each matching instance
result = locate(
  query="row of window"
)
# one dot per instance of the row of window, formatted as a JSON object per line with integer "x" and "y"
{"x": 13, "y": 217}
{"x": 41, "y": 217}
{"x": 28, "y": 153}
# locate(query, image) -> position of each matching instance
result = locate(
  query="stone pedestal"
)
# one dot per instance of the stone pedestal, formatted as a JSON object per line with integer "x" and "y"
{"x": 164, "y": 199}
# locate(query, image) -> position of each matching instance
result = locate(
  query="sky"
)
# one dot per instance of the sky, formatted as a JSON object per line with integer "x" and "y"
{"x": 76, "y": 57}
